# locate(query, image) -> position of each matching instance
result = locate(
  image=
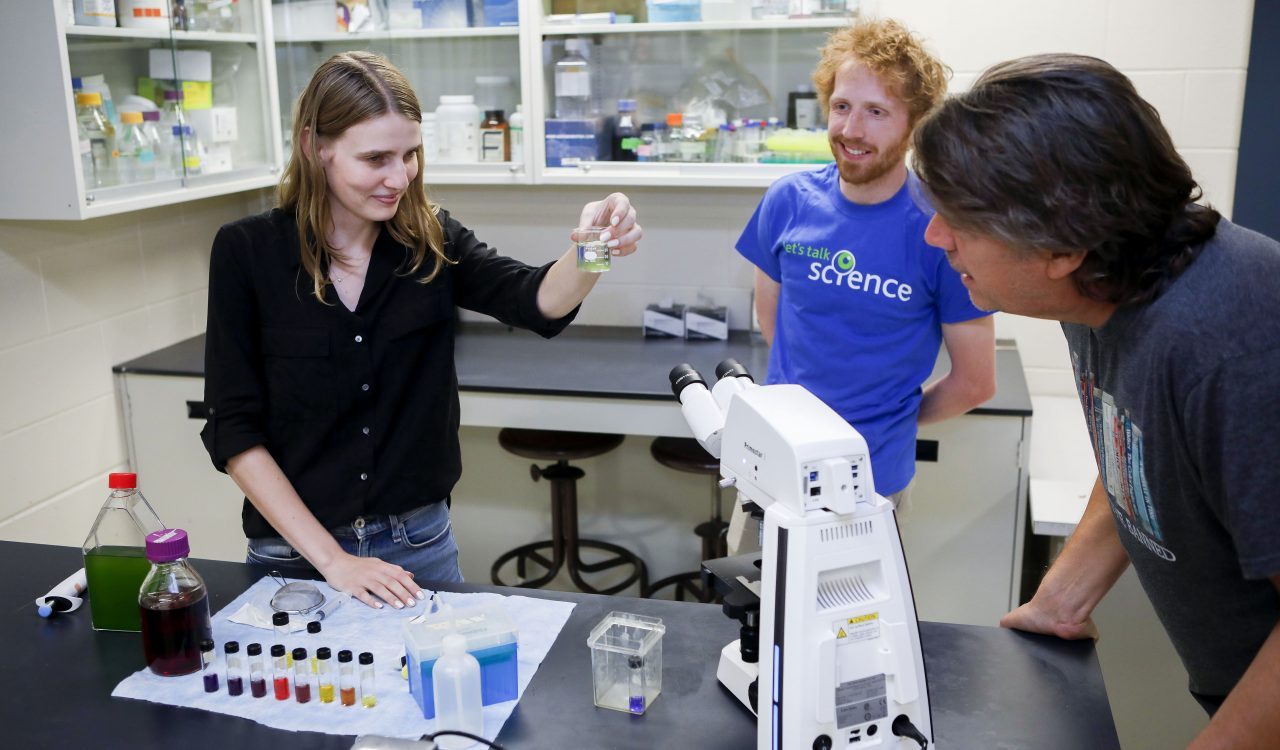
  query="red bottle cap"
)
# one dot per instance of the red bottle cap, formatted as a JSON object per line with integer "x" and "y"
{"x": 122, "y": 480}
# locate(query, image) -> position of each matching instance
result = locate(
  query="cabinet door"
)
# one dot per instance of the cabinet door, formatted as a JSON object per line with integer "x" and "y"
{"x": 223, "y": 68}
{"x": 711, "y": 96}
{"x": 444, "y": 49}
{"x": 962, "y": 529}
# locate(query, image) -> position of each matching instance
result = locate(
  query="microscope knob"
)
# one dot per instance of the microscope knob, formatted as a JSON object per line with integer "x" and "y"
{"x": 822, "y": 743}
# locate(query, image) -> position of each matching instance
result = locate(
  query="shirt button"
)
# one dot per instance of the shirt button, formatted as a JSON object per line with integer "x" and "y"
{"x": 363, "y": 477}
{"x": 359, "y": 339}
{"x": 365, "y": 430}
{"x": 364, "y": 387}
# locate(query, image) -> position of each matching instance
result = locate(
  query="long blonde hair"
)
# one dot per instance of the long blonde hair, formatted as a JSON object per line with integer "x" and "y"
{"x": 346, "y": 90}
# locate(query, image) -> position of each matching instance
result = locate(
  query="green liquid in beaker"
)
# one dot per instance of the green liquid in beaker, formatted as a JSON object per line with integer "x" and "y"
{"x": 114, "y": 575}
{"x": 593, "y": 257}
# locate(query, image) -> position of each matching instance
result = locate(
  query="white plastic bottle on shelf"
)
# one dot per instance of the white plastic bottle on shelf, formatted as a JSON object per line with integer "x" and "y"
{"x": 94, "y": 12}
{"x": 143, "y": 14}
{"x": 102, "y": 137}
{"x": 573, "y": 81}
{"x": 458, "y": 125}
{"x": 137, "y": 157}
{"x": 455, "y": 685}
{"x": 430, "y": 138}
{"x": 515, "y": 126}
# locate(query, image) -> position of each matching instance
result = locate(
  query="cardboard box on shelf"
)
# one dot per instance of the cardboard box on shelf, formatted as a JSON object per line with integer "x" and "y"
{"x": 663, "y": 321}
{"x": 706, "y": 323}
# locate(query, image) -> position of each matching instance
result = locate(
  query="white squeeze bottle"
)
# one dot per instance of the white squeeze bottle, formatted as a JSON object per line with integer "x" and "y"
{"x": 455, "y": 684}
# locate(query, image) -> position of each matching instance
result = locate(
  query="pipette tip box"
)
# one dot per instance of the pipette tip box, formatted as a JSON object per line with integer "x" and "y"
{"x": 491, "y": 638}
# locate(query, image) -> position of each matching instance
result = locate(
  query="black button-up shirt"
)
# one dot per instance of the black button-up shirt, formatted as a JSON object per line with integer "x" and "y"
{"x": 359, "y": 409}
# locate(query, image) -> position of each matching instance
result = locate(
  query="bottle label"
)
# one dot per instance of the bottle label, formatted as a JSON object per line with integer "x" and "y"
{"x": 191, "y": 162}
{"x": 573, "y": 83}
{"x": 491, "y": 145}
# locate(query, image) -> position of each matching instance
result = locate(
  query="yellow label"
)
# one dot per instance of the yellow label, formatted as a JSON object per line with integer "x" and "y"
{"x": 197, "y": 94}
{"x": 193, "y": 162}
{"x": 841, "y": 634}
{"x": 864, "y": 618}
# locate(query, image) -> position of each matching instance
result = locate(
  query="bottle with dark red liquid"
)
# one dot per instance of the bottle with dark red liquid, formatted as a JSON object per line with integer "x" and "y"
{"x": 175, "y": 606}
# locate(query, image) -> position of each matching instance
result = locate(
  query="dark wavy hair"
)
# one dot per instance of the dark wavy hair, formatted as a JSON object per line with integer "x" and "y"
{"x": 1058, "y": 152}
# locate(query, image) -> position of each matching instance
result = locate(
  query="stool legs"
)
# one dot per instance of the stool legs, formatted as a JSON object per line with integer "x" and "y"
{"x": 713, "y": 534}
{"x": 566, "y": 544}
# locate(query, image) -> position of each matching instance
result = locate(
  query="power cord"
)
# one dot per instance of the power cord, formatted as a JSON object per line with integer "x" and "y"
{"x": 902, "y": 727}
{"x": 468, "y": 735}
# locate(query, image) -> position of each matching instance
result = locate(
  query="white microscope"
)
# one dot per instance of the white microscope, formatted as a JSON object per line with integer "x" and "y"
{"x": 830, "y": 651}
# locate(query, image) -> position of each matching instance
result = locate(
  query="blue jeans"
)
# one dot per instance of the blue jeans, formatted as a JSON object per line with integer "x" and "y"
{"x": 420, "y": 541}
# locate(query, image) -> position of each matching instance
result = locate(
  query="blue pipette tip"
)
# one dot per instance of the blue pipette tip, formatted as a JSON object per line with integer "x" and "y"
{"x": 45, "y": 610}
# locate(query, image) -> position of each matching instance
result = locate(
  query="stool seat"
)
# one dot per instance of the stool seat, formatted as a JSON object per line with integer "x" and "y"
{"x": 683, "y": 454}
{"x": 556, "y": 445}
{"x": 564, "y": 549}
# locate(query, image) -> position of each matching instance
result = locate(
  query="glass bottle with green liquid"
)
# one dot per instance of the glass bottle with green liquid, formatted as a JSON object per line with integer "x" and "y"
{"x": 115, "y": 555}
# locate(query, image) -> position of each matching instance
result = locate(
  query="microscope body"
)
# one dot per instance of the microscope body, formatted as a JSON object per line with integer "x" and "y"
{"x": 840, "y": 663}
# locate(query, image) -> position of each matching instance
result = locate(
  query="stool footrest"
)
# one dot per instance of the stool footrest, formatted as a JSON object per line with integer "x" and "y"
{"x": 561, "y": 559}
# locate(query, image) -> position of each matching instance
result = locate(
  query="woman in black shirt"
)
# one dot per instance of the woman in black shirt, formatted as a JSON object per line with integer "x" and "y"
{"x": 330, "y": 384}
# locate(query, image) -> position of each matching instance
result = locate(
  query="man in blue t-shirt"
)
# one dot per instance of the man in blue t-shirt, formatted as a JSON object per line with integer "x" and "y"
{"x": 853, "y": 301}
{"x": 1060, "y": 195}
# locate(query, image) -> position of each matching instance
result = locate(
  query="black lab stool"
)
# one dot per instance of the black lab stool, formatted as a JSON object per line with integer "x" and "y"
{"x": 684, "y": 454}
{"x": 564, "y": 548}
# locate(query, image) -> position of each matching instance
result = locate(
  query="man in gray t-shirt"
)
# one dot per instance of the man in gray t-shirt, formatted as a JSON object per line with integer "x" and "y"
{"x": 1059, "y": 195}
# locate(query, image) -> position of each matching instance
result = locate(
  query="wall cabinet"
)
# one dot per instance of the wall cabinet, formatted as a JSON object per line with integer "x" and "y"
{"x": 746, "y": 66}
{"x": 233, "y": 71}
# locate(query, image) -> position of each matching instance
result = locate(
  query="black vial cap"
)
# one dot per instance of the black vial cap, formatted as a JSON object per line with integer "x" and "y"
{"x": 277, "y": 650}
{"x": 313, "y": 627}
{"x": 206, "y": 644}
{"x": 344, "y": 655}
{"x": 280, "y": 618}
{"x": 366, "y": 658}
{"x": 255, "y": 649}
{"x": 323, "y": 652}
{"x": 299, "y": 654}
{"x": 233, "y": 647}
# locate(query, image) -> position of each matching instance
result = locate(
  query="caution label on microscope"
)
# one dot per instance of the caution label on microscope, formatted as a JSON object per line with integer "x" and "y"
{"x": 860, "y": 628}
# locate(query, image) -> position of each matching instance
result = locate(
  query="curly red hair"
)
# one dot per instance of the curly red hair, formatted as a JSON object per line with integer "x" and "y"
{"x": 894, "y": 54}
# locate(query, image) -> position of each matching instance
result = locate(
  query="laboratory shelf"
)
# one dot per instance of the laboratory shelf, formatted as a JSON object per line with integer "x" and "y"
{"x": 112, "y": 32}
{"x": 781, "y": 24}
{"x": 475, "y": 173}
{"x": 122, "y": 198}
{"x": 475, "y": 32}
{"x": 670, "y": 173}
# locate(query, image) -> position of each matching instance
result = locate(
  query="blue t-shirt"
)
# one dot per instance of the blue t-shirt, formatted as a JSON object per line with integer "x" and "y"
{"x": 861, "y": 307}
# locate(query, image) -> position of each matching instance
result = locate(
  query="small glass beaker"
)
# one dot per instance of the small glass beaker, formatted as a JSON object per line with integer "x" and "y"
{"x": 593, "y": 252}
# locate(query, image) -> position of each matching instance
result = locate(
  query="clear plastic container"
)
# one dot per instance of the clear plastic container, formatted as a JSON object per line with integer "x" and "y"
{"x": 102, "y": 143}
{"x": 593, "y": 252}
{"x": 455, "y": 684}
{"x": 491, "y": 637}
{"x": 626, "y": 661}
{"x": 174, "y": 605}
{"x": 137, "y": 156}
{"x": 94, "y": 12}
{"x": 115, "y": 558}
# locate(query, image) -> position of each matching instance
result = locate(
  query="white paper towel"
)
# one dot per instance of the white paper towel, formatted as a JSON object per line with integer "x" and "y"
{"x": 358, "y": 628}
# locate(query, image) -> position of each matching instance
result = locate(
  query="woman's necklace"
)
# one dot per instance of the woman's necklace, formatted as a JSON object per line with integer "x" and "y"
{"x": 333, "y": 270}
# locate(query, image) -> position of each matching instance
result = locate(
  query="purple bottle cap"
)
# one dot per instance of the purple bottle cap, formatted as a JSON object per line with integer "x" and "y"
{"x": 172, "y": 95}
{"x": 167, "y": 545}
{"x": 151, "y": 115}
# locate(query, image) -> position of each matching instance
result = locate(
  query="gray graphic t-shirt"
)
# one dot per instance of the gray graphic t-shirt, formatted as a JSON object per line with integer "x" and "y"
{"x": 1182, "y": 399}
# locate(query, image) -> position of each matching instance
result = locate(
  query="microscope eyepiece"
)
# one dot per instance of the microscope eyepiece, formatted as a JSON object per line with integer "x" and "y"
{"x": 682, "y": 376}
{"x": 732, "y": 367}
